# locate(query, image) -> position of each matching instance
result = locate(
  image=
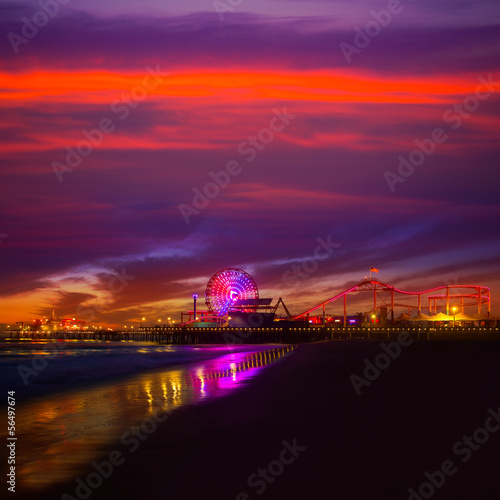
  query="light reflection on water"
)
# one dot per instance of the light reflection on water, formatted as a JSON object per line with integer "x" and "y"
{"x": 64, "y": 433}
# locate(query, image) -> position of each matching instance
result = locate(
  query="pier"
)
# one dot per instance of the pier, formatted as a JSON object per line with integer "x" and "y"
{"x": 272, "y": 335}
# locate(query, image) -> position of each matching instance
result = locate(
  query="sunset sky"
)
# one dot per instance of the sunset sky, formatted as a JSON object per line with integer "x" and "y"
{"x": 179, "y": 91}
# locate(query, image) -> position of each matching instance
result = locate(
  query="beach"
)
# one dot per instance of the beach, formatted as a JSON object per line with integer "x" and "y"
{"x": 303, "y": 427}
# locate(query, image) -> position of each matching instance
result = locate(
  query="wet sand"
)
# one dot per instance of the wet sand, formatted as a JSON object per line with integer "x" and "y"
{"x": 375, "y": 445}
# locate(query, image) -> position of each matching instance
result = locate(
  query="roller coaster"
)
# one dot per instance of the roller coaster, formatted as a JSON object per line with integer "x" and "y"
{"x": 388, "y": 297}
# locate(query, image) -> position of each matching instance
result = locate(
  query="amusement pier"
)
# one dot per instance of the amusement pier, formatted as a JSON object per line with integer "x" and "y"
{"x": 235, "y": 314}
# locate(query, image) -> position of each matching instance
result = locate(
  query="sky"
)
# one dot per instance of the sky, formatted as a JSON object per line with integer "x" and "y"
{"x": 145, "y": 146}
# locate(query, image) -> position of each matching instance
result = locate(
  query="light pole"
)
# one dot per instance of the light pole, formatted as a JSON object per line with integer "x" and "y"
{"x": 169, "y": 322}
{"x": 195, "y": 298}
{"x": 454, "y": 312}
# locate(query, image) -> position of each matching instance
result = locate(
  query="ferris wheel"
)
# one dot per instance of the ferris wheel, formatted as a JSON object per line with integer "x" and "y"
{"x": 226, "y": 287}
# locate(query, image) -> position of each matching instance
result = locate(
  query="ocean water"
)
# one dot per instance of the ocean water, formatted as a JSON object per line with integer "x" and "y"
{"x": 42, "y": 367}
{"x": 76, "y": 401}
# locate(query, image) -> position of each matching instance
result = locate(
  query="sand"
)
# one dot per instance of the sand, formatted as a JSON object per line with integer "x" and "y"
{"x": 373, "y": 445}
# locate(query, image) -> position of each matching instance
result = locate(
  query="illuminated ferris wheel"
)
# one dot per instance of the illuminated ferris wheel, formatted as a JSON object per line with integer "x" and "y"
{"x": 228, "y": 286}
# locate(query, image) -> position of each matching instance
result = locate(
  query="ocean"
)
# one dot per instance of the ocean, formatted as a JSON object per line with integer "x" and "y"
{"x": 74, "y": 400}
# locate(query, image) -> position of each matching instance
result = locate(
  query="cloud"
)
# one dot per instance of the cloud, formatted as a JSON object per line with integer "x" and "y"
{"x": 78, "y": 40}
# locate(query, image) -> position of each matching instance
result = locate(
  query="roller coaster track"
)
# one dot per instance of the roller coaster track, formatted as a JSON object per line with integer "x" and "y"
{"x": 481, "y": 296}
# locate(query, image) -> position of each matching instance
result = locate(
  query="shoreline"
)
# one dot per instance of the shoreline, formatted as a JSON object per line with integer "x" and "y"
{"x": 375, "y": 445}
{"x": 43, "y": 382}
